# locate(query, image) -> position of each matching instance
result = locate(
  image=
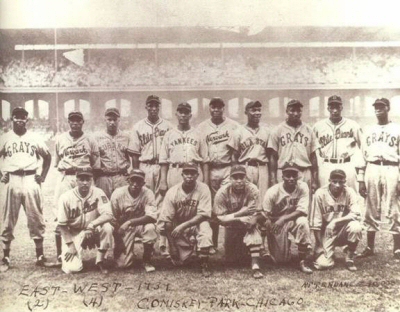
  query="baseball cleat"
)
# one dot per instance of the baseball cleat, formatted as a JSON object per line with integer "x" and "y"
{"x": 56, "y": 264}
{"x": 5, "y": 264}
{"x": 102, "y": 267}
{"x": 350, "y": 265}
{"x": 397, "y": 254}
{"x": 212, "y": 251}
{"x": 205, "y": 271}
{"x": 367, "y": 252}
{"x": 163, "y": 251}
{"x": 257, "y": 274}
{"x": 305, "y": 268}
{"x": 41, "y": 261}
{"x": 148, "y": 267}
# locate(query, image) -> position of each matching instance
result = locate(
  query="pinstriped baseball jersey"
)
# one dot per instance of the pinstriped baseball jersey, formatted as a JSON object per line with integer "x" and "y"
{"x": 78, "y": 212}
{"x": 337, "y": 140}
{"x": 113, "y": 151}
{"x": 21, "y": 152}
{"x": 293, "y": 144}
{"x": 76, "y": 152}
{"x": 182, "y": 147}
{"x": 125, "y": 207}
{"x": 146, "y": 138}
{"x": 217, "y": 137}
{"x": 326, "y": 208}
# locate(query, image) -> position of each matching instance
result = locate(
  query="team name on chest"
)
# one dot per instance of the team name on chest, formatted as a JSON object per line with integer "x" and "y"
{"x": 249, "y": 142}
{"x": 289, "y": 203}
{"x": 20, "y": 147}
{"x": 113, "y": 145}
{"x": 187, "y": 204}
{"x": 339, "y": 134}
{"x": 383, "y": 137}
{"x": 334, "y": 208}
{"x": 216, "y": 137}
{"x": 186, "y": 140}
{"x": 75, "y": 151}
{"x": 87, "y": 207}
{"x": 299, "y": 137}
{"x": 149, "y": 136}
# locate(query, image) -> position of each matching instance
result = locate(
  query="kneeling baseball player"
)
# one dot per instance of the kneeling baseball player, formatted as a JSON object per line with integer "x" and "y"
{"x": 135, "y": 214}
{"x": 335, "y": 220}
{"x": 84, "y": 214}
{"x": 184, "y": 217}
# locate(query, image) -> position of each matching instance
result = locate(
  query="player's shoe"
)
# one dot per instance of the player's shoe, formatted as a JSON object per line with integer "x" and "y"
{"x": 212, "y": 251}
{"x": 367, "y": 252}
{"x": 5, "y": 265}
{"x": 350, "y": 265}
{"x": 41, "y": 261}
{"x": 164, "y": 252}
{"x": 148, "y": 267}
{"x": 205, "y": 271}
{"x": 305, "y": 268}
{"x": 256, "y": 271}
{"x": 102, "y": 267}
{"x": 396, "y": 254}
{"x": 56, "y": 264}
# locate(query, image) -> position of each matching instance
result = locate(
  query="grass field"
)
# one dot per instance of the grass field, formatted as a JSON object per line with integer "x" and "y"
{"x": 25, "y": 287}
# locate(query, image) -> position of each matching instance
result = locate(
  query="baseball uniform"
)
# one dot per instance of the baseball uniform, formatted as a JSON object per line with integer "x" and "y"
{"x": 124, "y": 208}
{"x": 179, "y": 207}
{"x": 326, "y": 208}
{"x": 338, "y": 145}
{"x": 114, "y": 160}
{"x": 277, "y": 202}
{"x": 76, "y": 213}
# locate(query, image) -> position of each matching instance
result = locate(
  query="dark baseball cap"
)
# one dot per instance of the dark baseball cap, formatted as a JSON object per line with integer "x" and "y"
{"x": 238, "y": 169}
{"x": 84, "y": 171}
{"x": 290, "y": 166}
{"x": 75, "y": 114}
{"x": 137, "y": 173}
{"x": 184, "y": 106}
{"x": 334, "y": 99}
{"x": 190, "y": 166}
{"x": 253, "y": 104}
{"x": 337, "y": 174}
{"x": 217, "y": 102}
{"x": 294, "y": 103}
{"x": 382, "y": 101}
{"x": 153, "y": 99}
{"x": 112, "y": 111}
{"x": 19, "y": 110}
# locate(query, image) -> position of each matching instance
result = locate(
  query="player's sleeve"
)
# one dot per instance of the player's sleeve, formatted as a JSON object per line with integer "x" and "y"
{"x": 268, "y": 203}
{"x": 203, "y": 148}
{"x": 254, "y": 197}
{"x": 134, "y": 146}
{"x": 354, "y": 206}
{"x": 57, "y": 152}
{"x": 104, "y": 205}
{"x": 204, "y": 207}
{"x": 62, "y": 209}
{"x": 150, "y": 207}
{"x": 2, "y": 146}
{"x": 163, "y": 158}
{"x": 220, "y": 204}
{"x": 234, "y": 140}
{"x": 115, "y": 208}
{"x": 167, "y": 213}
{"x": 314, "y": 144}
{"x": 315, "y": 217}
{"x": 94, "y": 154}
{"x": 42, "y": 148}
{"x": 273, "y": 140}
{"x": 304, "y": 200}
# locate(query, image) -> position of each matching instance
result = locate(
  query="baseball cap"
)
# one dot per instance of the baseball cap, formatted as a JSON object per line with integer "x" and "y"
{"x": 184, "y": 106}
{"x": 238, "y": 169}
{"x": 19, "y": 110}
{"x": 217, "y": 102}
{"x": 75, "y": 114}
{"x": 112, "y": 111}
{"x": 337, "y": 174}
{"x": 84, "y": 171}
{"x": 383, "y": 101}
{"x": 190, "y": 167}
{"x": 153, "y": 99}
{"x": 253, "y": 104}
{"x": 334, "y": 99}
{"x": 137, "y": 173}
{"x": 290, "y": 166}
{"x": 294, "y": 103}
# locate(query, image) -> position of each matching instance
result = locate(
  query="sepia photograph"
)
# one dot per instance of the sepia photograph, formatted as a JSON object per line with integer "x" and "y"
{"x": 202, "y": 155}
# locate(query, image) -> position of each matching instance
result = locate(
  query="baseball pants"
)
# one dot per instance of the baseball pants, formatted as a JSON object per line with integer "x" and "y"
{"x": 106, "y": 242}
{"x": 175, "y": 176}
{"x": 109, "y": 183}
{"x": 148, "y": 235}
{"x": 152, "y": 179}
{"x": 259, "y": 176}
{"x": 22, "y": 190}
{"x": 64, "y": 183}
{"x": 325, "y": 169}
{"x": 218, "y": 178}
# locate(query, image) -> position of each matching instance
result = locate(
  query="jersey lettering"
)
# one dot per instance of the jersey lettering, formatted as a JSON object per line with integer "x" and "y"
{"x": 291, "y": 203}
{"x": 148, "y": 137}
{"x": 215, "y": 138}
{"x": 187, "y": 204}
{"x": 298, "y": 138}
{"x": 249, "y": 142}
{"x": 182, "y": 141}
{"x": 382, "y": 137}
{"x": 335, "y": 208}
{"x": 22, "y": 147}
{"x": 76, "y": 152}
{"x": 339, "y": 134}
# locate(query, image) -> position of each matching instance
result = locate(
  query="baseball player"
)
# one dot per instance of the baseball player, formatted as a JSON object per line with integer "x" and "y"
{"x": 184, "y": 217}
{"x": 285, "y": 209}
{"x": 21, "y": 152}
{"x": 135, "y": 213}
{"x": 294, "y": 141}
{"x": 180, "y": 145}
{"x": 381, "y": 183}
{"x": 145, "y": 145}
{"x": 236, "y": 205}
{"x": 73, "y": 149}
{"x": 339, "y": 141}
{"x": 83, "y": 212}
{"x": 217, "y": 131}
{"x": 335, "y": 220}
{"x": 114, "y": 154}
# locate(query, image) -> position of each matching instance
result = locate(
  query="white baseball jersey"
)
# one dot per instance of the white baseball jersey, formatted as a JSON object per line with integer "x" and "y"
{"x": 217, "y": 137}
{"x": 146, "y": 138}
{"x": 182, "y": 147}
{"x": 252, "y": 144}
{"x": 125, "y": 207}
{"x": 21, "y": 152}
{"x": 293, "y": 144}
{"x": 179, "y": 207}
{"x": 77, "y": 212}
{"x": 76, "y": 152}
{"x": 113, "y": 151}
{"x": 326, "y": 208}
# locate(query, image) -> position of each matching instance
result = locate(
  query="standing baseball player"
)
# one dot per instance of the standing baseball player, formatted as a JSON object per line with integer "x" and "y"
{"x": 114, "y": 154}
{"x": 285, "y": 209}
{"x": 84, "y": 213}
{"x": 294, "y": 141}
{"x": 335, "y": 219}
{"x": 217, "y": 131}
{"x": 381, "y": 184}
{"x": 181, "y": 145}
{"x": 339, "y": 139}
{"x": 73, "y": 149}
{"x": 135, "y": 213}
{"x": 236, "y": 205}
{"x": 184, "y": 217}
{"x": 21, "y": 152}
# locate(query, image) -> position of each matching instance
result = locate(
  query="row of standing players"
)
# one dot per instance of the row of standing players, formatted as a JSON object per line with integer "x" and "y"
{"x": 160, "y": 150}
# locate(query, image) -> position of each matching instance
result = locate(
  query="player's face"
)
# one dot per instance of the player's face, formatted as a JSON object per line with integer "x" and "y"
{"x": 290, "y": 177}
{"x": 337, "y": 186}
{"x": 135, "y": 185}
{"x": 294, "y": 113}
{"x": 75, "y": 124}
{"x": 381, "y": 110}
{"x": 254, "y": 114}
{"x": 189, "y": 177}
{"x": 84, "y": 183}
{"x": 183, "y": 116}
{"x": 112, "y": 123}
{"x": 19, "y": 121}
{"x": 216, "y": 111}
{"x": 335, "y": 110}
{"x": 153, "y": 109}
{"x": 238, "y": 181}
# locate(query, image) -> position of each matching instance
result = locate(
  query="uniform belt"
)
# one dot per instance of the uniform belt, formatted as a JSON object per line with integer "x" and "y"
{"x": 113, "y": 173}
{"x": 219, "y": 165}
{"x": 384, "y": 163}
{"x": 337, "y": 160}
{"x": 23, "y": 172}
{"x": 68, "y": 171}
{"x": 150, "y": 162}
{"x": 254, "y": 163}
{"x": 176, "y": 165}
